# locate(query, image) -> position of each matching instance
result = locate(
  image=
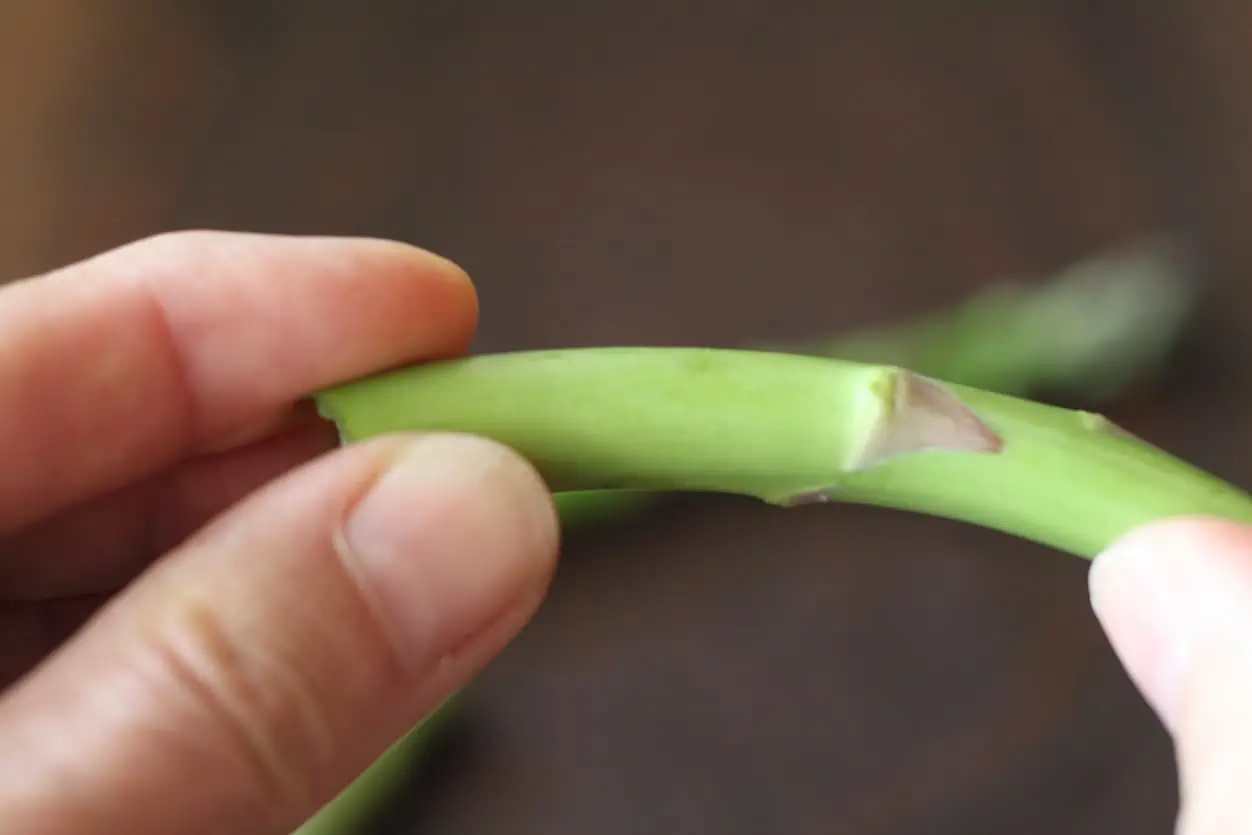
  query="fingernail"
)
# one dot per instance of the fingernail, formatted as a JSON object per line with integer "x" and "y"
{"x": 448, "y": 539}
{"x": 1141, "y": 601}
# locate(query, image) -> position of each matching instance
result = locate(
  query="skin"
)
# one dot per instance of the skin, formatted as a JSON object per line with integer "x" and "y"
{"x": 211, "y": 619}
{"x": 1175, "y": 599}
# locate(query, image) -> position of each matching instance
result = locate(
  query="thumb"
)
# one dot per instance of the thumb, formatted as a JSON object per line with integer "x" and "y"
{"x": 1176, "y": 601}
{"x": 255, "y": 671}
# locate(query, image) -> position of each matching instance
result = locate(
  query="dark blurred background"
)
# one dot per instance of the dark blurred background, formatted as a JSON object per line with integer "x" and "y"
{"x": 711, "y": 173}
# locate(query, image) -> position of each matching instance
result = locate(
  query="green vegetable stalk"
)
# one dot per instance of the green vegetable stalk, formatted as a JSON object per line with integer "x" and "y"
{"x": 1085, "y": 334}
{"x": 790, "y": 429}
{"x": 346, "y": 813}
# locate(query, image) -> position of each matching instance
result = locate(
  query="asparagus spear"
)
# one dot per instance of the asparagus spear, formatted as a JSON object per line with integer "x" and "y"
{"x": 348, "y": 813}
{"x": 1086, "y": 334}
{"x": 788, "y": 429}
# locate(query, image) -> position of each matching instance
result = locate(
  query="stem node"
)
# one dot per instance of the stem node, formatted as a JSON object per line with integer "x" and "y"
{"x": 922, "y": 415}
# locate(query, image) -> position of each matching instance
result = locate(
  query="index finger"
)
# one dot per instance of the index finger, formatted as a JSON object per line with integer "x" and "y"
{"x": 118, "y": 367}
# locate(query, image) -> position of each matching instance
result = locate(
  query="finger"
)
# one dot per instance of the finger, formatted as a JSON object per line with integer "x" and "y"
{"x": 113, "y": 369}
{"x": 1176, "y": 601}
{"x": 248, "y": 677}
{"x": 100, "y": 545}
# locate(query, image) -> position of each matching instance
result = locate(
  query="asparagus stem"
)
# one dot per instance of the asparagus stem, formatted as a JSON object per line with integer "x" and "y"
{"x": 787, "y": 429}
{"x": 585, "y": 508}
{"x": 354, "y": 804}
{"x": 1085, "y": 334}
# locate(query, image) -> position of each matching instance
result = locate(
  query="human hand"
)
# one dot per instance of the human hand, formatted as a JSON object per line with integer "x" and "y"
{"x": 1176, "y": 601}
{"x": 209, "y": 620}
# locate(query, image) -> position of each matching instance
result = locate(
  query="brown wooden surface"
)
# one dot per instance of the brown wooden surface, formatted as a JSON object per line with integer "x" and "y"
{"x": 681, "y": 172}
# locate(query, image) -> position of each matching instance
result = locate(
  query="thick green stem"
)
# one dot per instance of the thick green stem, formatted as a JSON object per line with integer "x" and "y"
{"x": 790, "y": 429}
{"x": 1083, "y": 335}
{"x": 345, "y": 814}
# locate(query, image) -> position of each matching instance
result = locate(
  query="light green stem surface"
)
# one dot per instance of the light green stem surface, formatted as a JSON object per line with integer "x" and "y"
{"x": 1085, "y": 333}
{"x": 788, "y": 428}
{"x": 346, "y": 814}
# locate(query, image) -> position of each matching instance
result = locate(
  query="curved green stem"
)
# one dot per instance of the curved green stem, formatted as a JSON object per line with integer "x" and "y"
{"x": 346, "y": 812}
{"x": 1085, "y": 333}
{"x": 789, "y": 429}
